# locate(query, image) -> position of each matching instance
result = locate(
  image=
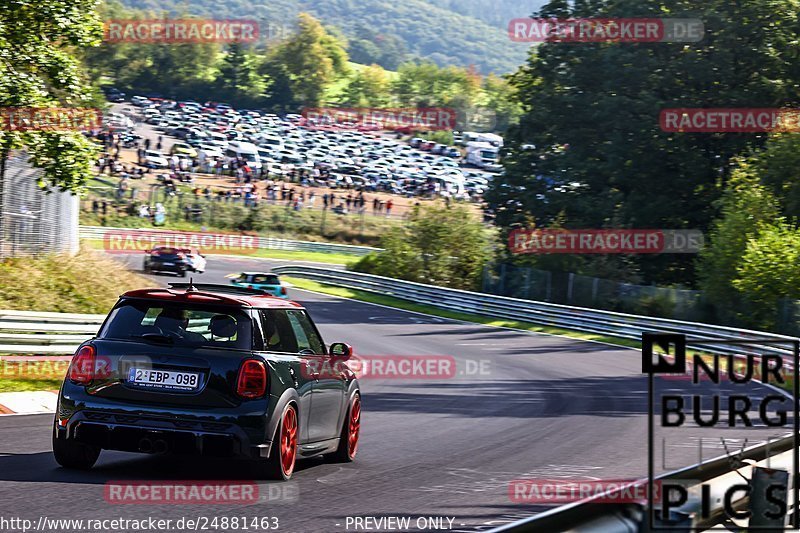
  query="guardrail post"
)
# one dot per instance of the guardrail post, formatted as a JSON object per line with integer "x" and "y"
{"x": 769, "y": 491}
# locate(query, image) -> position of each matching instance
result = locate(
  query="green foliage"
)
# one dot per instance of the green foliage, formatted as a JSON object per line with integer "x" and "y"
{"x": 368, "y": 88}
{"x": 591, "y": 112}
{"x": 439, "y": 136}
{"x": 745, "y": 206}
{"x": 313, "y": 59}
{"x": 388, "y": 33}
{"x": 238, "y": 80}
{"x": 769, "y": 271}
{"x": 441, "y": 245}
{"x": 778, "y": 166}
{"x": 39, "y": 67}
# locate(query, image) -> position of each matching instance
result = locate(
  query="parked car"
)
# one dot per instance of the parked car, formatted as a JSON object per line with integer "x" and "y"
{"x": 153, "y": 159}
{"x": 210, "y": 370}
{"x": 183, "y": 149}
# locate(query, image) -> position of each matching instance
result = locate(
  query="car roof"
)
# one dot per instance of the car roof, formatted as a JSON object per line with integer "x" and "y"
{"x": 223, "y": 295}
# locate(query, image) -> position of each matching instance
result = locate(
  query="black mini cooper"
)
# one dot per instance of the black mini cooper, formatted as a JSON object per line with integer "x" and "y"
{"x": 209, "y": 370}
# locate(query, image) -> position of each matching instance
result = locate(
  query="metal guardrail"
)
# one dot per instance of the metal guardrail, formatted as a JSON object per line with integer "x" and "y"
{"x": 561, "y": 316}
{"x": 32, "y": 332}
{"x": 266, "y": 243}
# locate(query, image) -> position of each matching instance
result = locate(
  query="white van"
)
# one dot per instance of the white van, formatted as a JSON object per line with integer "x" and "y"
{"x": 248, "y": 151}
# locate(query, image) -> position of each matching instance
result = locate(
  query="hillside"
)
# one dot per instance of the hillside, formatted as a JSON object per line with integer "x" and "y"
{"x": 386, "y": 32}
{"x": 492, "y": 12}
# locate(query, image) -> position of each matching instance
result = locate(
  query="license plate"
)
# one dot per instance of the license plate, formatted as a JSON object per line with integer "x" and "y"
{"x": 164, "y": 379}
{"x": 169, "y": 264}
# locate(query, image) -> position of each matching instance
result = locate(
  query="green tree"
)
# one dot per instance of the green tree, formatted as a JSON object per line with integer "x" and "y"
{"x": 768, "y": 272}
{"x": 441, "y": 245}
{"x": 40, "y": 67}
{"x": 313, "y": 59}
{"x": 368, "y": 88}
{"x": 745, "y": 206}
{"x": 594, "y": 149}
{"x": 238, "y": 80}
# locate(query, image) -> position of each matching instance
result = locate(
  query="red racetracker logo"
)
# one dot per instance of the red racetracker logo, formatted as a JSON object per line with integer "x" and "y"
{"x": 561, "y": 491}
{"x": 50, "y": 119}
{"x": 173, "y": 31}
{"x": 181, "y": 492}
{"x": 600, "y": 30}
{"x": 413, "y": 118}
{"x": 129, "y": 242}
{"x": 395, "y": 367}
{"x": 604, "y": 241}
{"x": 41, "y": 367}
{"x": 730, "y": 120}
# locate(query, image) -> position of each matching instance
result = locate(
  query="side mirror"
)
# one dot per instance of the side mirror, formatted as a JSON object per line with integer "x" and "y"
{"x": 341, "y": 350}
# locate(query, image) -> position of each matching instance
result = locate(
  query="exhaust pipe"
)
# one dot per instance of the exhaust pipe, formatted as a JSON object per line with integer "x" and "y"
{"x": 160, "y": 446}
{"x": 146, "y": 445}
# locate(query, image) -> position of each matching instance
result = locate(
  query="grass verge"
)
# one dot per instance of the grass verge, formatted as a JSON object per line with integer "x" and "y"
{"x": 288, "y": 255}
{"x": 22, "y": 385}
{"x": 87, "y": 282}
{"x": 391, "y": 301}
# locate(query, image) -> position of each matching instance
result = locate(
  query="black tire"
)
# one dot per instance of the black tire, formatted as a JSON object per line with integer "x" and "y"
{"x": 344, "y": 453}
{"x": 146, "y": 268}
{"x": 183, "y": 273}
{"x": 273, "y": 467}
{"x": 76, "y": 455}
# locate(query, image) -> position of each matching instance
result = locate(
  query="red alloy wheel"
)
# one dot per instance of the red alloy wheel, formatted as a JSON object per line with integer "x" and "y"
{"x": 289, "y": 441}
{"x": 354, "y": 428}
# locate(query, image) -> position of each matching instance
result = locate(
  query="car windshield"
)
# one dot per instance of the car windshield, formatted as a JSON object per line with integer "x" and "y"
{"x": 266, "y": 279}
{"x": 179, "y": 325}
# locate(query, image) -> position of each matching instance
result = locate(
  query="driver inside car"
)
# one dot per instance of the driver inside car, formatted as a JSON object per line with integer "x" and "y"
{"x": 176, "y": 321}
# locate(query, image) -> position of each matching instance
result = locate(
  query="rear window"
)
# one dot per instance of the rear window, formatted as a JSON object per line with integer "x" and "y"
{"x": 180, "y": 325}
{"x": 167, "y": 251}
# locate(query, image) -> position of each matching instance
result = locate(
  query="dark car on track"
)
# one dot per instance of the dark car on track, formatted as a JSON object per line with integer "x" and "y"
{"x": 209, "y": 370}
{"x": 167, "y": 259}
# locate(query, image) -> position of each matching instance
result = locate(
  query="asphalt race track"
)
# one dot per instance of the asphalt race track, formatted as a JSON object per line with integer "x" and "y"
{"x": 543, "y": 407}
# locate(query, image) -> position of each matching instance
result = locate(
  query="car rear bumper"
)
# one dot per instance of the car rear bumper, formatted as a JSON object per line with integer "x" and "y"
{"x": 161, "y": 267}
{"x": 149, "y": 434}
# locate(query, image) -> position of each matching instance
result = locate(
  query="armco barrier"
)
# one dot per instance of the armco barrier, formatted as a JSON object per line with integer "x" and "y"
{"x": 266, "y": 243}
{"x": 31, "y": 332}
{"x": 561, "y": 316}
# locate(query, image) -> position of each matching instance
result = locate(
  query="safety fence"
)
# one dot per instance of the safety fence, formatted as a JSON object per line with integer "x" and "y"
{"x": 34, "y": 221}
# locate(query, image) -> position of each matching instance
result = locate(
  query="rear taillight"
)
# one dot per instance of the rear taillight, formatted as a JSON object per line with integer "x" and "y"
{"x": 252, "y": 380}
{"x": 81, "y": 370}
{"x": 283, "y": 291}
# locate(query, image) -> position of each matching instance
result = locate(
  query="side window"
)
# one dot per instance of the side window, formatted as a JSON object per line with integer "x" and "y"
{"x": 307, "y": 338}
{"x": 278, "y": 331}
